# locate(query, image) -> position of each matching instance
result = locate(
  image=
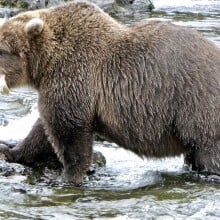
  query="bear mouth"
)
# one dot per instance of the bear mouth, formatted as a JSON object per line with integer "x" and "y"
{"x": 4, "y": 90}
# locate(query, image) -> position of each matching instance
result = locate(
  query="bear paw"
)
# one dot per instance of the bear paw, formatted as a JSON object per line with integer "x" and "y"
{"x": 5, "y": 152}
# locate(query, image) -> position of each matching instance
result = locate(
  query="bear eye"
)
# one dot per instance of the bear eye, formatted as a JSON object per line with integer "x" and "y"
{"x": 4, "y": 52}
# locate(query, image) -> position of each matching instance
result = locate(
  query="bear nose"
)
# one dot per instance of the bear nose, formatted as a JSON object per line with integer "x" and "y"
{"x": 131, "y": 1}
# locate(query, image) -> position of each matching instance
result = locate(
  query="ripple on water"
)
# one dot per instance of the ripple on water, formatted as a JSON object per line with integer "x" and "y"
{"x": 131, "y": 188}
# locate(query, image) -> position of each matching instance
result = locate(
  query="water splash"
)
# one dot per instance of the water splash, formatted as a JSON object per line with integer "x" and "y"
{"x": 18, "y": 129}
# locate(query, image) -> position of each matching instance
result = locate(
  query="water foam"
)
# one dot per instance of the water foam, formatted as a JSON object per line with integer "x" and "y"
{"x": 18, "y": 129}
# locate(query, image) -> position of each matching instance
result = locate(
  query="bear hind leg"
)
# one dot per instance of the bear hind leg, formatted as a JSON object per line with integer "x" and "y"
{"x": 205, "y": 160}
{"x": 35, "y": 147}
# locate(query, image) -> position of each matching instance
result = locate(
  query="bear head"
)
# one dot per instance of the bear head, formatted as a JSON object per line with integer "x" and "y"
{"x": 16, "y": 49}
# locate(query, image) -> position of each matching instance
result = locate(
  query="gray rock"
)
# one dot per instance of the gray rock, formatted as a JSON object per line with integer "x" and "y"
{"x": 23, "y": 4}
{"x": 35, "y": 4}
{"x": 136, "y": 5}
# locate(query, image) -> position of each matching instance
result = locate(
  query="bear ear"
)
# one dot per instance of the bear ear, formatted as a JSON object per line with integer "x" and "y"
{"x": 34, "y": 27}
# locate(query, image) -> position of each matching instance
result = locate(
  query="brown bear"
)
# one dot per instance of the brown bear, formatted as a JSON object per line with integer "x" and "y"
{"x": 153, "y": 87}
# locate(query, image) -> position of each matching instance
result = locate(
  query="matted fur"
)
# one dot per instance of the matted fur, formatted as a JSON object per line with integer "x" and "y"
{"x": 151, "y": 87}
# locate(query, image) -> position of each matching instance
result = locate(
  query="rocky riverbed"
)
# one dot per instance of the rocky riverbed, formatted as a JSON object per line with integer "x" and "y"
{"x": 10, "y": 8}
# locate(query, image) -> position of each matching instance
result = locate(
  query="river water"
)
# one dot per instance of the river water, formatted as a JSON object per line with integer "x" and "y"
{"x": 128, "y": 187}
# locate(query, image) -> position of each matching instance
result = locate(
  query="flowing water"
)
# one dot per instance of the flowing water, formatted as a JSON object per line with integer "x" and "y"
{"x": 128, "y": 187}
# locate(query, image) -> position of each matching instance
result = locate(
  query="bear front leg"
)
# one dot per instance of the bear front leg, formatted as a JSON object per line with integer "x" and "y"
{"x": 33, "y": 148}
{"x": 74, "y": 149}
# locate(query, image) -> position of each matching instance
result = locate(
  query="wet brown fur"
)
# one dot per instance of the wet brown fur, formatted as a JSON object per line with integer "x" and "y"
{"x": 152, "y": 87}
